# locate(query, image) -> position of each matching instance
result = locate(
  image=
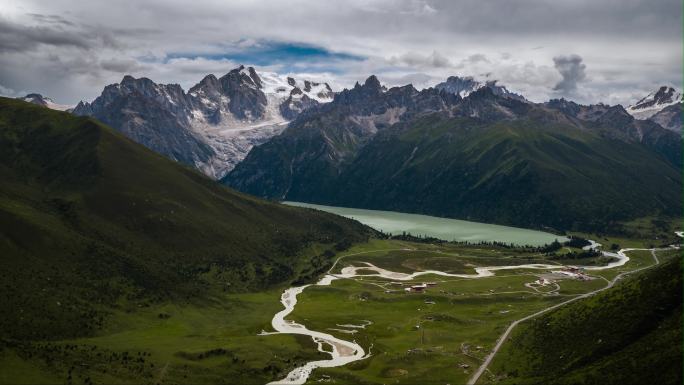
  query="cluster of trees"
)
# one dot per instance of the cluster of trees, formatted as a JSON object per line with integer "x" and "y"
{"x": 576, "y": 255}
{"x": 548, "y": 249}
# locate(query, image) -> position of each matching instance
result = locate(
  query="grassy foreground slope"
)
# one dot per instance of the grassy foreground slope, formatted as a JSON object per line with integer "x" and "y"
{"x": 91, "y": 221}
{"x": 631, "y": 334}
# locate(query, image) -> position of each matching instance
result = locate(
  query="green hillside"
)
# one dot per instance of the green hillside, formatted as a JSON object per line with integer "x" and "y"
{"x": 90, "y": 220}
{"x": 538, "y": 170}
{"x": 522, "y": 172}
{"x": 631, "y": 334}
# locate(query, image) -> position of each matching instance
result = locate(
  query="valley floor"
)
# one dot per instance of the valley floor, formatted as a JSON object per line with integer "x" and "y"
{"x": 438, "y": 334}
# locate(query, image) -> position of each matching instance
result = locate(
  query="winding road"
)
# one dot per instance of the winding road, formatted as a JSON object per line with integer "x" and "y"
{"x": 476, "y": 376}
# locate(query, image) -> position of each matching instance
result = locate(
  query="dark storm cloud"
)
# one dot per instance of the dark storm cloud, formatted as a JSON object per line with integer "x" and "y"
{"x": 572, "y": 70}
{"x": 15, "y": 37}
{"x": 51, "y": 31}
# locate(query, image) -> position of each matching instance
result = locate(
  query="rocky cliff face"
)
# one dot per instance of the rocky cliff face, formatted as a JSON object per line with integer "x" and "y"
{"x": 670, "y": 117}
{"x": 662, "y": 106}
{"x": 655, "y": 102}
{"x": 212, "y": 126}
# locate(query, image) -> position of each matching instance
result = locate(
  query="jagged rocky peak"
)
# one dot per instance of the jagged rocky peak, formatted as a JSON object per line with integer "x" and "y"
{"x": 664, "y": 95}
{"x": 36, "y": 99}
{"x": 485, "y": 104}
{"x": 482, "y": 93}
{"x": 237, "y": 95}
{"x": 655, "y": 102}
{"x": 464, "y": 86}
{"x": 243, "y": 75}
{"x": 370, "y": 89}
{"x": 208, "y": 83}
{"x": 599, "y": 112}
{"x": 461, "y": 86}
{"x": 372, "y": 82}
{"x": 564, "y": 105}
{"x": 142, "y": 86}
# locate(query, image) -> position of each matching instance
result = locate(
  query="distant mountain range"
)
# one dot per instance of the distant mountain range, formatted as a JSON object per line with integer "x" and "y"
{"x": 465, "y": 148}
{"x": 217, "y": 122}
{"x": 486, "y": 156}
{"x": 212, "y": 126}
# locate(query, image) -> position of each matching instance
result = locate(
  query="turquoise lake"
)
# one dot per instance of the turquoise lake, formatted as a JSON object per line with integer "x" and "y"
{"x": 442, "y": 228}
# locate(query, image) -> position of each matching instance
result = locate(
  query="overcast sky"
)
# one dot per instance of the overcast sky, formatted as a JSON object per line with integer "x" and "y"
{"x": 611, "y": 51}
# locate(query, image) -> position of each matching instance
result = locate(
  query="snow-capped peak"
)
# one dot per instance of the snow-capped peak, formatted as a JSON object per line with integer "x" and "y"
{"x": 45, "y": 102}
{"x": 464, "y": 86}
{"x": 655, "y": 102}
{"x": 284, "y": 86}
{"x": 244, "y": 108}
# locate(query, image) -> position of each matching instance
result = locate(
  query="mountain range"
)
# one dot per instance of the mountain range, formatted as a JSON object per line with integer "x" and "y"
{"x": 215, "y": 124}
{"x": 486, "y": 157}
{"x": 466, "y": 148}
{"x": 212, "y": 126}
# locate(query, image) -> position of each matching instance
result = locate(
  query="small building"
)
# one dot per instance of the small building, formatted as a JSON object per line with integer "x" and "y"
{"x": 416, "y": 288}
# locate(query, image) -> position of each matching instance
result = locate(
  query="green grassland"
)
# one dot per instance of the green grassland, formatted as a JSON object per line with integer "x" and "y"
{"x": 427, "y": 337}
{"x": 210, "y": 343}
{"x": 418, "y": 337}
{"x": 118, "y": 266}
{"x": 630, "y": 334}
{"x": 399, "y": 256}
{"x": 645, "y": 232}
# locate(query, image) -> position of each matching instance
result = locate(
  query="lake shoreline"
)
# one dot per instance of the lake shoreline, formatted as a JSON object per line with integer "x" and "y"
{"x": 447, "y": 229}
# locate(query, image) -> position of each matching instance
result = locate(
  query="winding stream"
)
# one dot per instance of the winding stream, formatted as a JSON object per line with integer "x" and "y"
{"x": 343, "y": 351}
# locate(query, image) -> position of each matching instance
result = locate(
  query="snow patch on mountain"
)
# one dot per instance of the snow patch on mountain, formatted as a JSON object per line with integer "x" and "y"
{"x": 655, "y": 102}
{"x": 232, "y": 136}
{"x": 45, "y": 102}
{"x": 464, "y": 86}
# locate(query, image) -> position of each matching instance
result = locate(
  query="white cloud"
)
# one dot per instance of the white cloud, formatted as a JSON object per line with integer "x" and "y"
{"x": 4, "y": 91}
{"x": 69, "y": 49}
